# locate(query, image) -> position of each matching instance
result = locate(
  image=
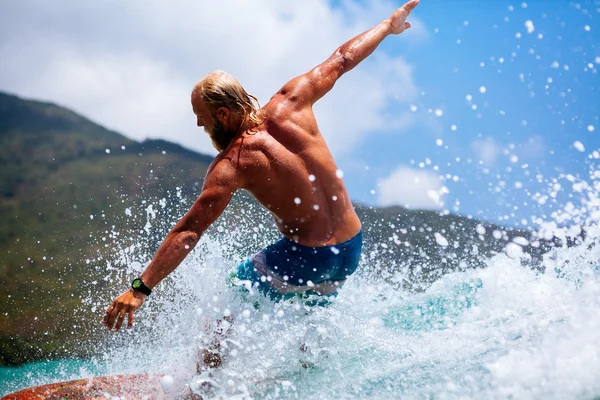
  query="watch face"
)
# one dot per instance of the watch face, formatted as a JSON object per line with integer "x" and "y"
{"x": 137, "y": 283}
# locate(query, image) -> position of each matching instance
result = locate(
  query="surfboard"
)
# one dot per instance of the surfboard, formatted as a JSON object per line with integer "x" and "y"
{"x": 131, "y": 387}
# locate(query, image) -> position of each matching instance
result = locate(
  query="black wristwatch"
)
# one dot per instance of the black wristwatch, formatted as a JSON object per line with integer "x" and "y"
{"x": 138, "y": 286}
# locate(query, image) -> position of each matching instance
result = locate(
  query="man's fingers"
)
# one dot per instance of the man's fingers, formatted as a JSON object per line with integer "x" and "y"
{"x": 111, "y": 317}
{"x": 130, "y": 319}
{"x": 115, "y": 317}
{"x": 410, "y": 5}
{"x": 107, "y": 314}
{"x": 120, "y": 320}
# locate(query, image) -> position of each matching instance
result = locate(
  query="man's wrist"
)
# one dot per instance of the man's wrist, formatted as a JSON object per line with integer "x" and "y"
{"x": 388, "y": 26}
{"x": 138, "y": 295}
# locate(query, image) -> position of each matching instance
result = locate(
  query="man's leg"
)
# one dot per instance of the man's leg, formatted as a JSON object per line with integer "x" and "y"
{"x": 210, "y": 356}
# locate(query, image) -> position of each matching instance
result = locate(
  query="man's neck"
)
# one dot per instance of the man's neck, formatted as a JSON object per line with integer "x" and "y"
{"x": 246, "y": 125}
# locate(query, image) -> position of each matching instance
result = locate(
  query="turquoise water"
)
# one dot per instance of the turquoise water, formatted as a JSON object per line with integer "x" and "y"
{"x": 13, "y": 379}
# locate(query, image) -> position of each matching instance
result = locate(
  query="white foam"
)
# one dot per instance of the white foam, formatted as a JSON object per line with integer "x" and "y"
{"x": 504, "y": 331}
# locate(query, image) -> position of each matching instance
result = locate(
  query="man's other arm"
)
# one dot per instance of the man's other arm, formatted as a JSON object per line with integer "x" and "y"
{"x": 218, "y": 188}
{"x": 217, "y": 191}
{"x": 309, "y": 88}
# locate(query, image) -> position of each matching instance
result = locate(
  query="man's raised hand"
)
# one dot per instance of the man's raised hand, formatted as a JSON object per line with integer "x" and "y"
{"x": 398, "y": 18}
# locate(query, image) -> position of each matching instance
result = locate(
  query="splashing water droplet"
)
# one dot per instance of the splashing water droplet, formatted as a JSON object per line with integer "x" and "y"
{"x": 514, "y": 251}
{"x": 521, "y": 241}
{"x": 441, "y": 240}
{"x": 529, "y": 26}
{"x": 480, "y": 229}
{"x": 579, "y": 146}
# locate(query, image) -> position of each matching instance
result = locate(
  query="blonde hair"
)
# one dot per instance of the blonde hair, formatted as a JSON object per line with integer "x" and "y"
{"x": 219, "y": 89}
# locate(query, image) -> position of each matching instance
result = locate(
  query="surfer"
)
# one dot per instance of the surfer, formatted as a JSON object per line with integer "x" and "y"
{"x": 278, "y": 154}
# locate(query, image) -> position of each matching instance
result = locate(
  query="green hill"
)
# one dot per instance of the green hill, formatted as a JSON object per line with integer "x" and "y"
{"x": 66, "y": 184}
{"x": 59, "y": 170}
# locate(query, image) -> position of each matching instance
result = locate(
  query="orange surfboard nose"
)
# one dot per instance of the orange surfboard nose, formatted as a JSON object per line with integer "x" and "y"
{"x": 132, "y": 387}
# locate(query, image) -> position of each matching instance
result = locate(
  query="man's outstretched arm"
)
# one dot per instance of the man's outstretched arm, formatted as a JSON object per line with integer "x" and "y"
{"x": 218, "y": 188}
{"x": 310, "y": 87}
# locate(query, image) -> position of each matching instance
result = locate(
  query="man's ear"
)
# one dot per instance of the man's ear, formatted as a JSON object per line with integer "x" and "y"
{"x": 222, "y": 114}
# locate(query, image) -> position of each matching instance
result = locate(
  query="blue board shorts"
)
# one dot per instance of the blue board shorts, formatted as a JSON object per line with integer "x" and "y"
{"x": 289, "y": 264}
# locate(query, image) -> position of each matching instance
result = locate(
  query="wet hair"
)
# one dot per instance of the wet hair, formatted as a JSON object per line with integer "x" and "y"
{"x": 219, "y": 89}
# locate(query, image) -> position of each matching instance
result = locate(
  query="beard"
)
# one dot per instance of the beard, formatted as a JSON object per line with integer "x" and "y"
{"x": 220, "y": 136}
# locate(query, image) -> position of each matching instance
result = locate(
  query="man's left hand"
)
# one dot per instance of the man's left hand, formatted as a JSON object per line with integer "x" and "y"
{"x": 124, "y": 305}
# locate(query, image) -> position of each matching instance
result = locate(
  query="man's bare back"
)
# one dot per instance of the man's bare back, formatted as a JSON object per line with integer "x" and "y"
{"x": 286, "y": 165}
{"x": 278, "y": 154}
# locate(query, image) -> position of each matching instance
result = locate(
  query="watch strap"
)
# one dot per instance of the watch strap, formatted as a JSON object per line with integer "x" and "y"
{"x": 138, "y": 285}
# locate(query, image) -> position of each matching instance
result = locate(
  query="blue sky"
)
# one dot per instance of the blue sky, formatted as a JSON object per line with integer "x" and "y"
{"x": 532, "y": 109}
{"x": 478, "y": 109}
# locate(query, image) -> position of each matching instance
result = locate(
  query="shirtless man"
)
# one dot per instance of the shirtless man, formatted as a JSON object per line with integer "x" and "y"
{"x": 278, "y": 154}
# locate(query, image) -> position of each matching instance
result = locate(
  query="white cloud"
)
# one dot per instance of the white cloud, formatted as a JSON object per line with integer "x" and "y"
{"x": 413, "y": 188}
{"x": 131, "y": 66}
{"x": 486, "y": 150}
